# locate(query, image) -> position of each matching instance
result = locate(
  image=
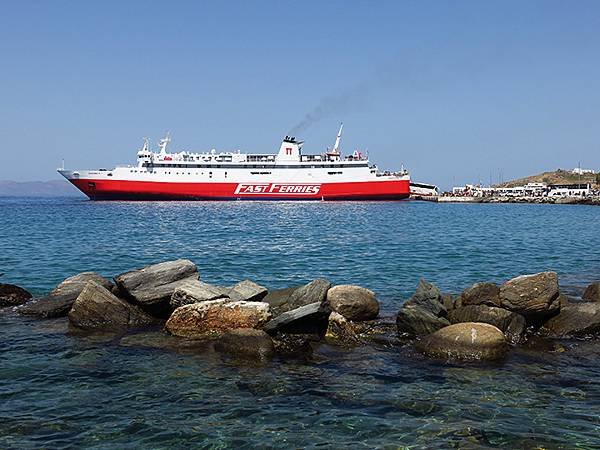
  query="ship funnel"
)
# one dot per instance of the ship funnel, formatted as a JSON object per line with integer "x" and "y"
{"x": 290, "y": 149}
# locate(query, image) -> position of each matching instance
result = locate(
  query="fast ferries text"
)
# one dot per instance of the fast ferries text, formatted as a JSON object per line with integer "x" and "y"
{"x": 274, "y": 188}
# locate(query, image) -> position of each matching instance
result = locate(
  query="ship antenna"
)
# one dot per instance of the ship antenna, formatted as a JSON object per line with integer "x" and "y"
{"x": 336, "y": 147}
{"x": 162, "y": 144}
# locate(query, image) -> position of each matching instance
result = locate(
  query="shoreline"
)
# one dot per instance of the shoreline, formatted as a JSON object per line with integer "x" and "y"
{"x": 591, "y": 201}
{"x": 251, "y": 321}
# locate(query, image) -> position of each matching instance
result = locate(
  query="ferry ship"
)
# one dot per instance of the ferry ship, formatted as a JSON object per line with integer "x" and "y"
{"x": 287, "y": 175}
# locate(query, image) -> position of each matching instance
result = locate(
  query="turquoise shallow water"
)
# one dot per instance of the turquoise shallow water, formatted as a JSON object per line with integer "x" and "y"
{"x": 58, "y": 389}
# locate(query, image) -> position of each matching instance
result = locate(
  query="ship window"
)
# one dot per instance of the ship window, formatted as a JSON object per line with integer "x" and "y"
{"x": 210, "y": 174}
{"x": 334, "y": 173}
{"x": 225, "y": 174}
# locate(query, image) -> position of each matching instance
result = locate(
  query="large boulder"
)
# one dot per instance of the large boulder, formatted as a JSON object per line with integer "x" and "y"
{"x": 353, "y": 302}
{"x": 465, "y": 341}
{"x": 415, "y": 321}
{"x": 151, "y": 287}
{"x": 246, "y": 343}
{"x": 510, "y": 323}
{"x": 215, "y": 317}
{"x": 592, "y": 292}
{"x": 429, "y": 297}
{"x": 59, "y": 302}
{"x": 481, "y": 294}
{"x": 307, "y": 319}
{"x": 284, "y": 300}
{"x": 11, "y": 295}
{"x": 575, "y": 320}
{"x": 423, "y": 313}
{"x": 247, "y": 291}
{"x": 96, "y": 308}
{"x": 279, "y": 297}
{"x": 533, "y": 296}
{"x": 195, "y": 291}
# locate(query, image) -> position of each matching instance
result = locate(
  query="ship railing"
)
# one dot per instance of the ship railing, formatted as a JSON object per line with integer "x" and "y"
{"x": 311, "y": 158}
{"x": 387, "y": 173}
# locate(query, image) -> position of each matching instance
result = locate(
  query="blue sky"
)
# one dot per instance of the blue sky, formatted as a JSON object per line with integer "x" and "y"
{"x": 455, "y": 91}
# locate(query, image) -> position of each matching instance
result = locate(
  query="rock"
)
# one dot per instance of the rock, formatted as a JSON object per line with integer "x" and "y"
{"x": 279, "y": 297}
{"x": 97, "y": 308}
{"x": 151, "y": 287}
{"x": 308, "y": 319}
{"x": 563, "y": 300}
{"x": 481, "y": 294}
{"x": 353, "y": 302}
{"x": 465, "y": 341}
{"x": 59, "y": 302}
{"x": 341, "y": 331}
{"x": 292, "y": 346}
{"x": 510, "y": 323}
{"x": 575, "y": 320}
{"x": 448, "y": 301}
{"x": 382, "y": 331}
{"x": 429, "y": 297}
{"x": 214, "y": 317}
{"x": 415, "y": 321}
{"x": 533, "y": 296}
{"x": 195, "y": 291}
{"x": 246, "y": 342}
{"x": 11, "y": 295}
{"x": 592, "y": 292}
{"x": 288, "y": 299}
{"x": 248, "y": 291}
{"x": 423, "y": 313}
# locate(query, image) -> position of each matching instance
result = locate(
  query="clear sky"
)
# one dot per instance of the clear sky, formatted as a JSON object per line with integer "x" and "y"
{"x": 454, "y": 90}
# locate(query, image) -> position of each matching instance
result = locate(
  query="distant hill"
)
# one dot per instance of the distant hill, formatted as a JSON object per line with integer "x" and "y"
{"x": 559, "y": 176}
{"x": 54, "y": 188}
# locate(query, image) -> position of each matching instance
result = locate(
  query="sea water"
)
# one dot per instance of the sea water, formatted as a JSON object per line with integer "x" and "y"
{"x": 59, "y": 389}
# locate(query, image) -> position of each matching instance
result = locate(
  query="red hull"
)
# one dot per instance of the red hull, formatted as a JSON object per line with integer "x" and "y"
{"x": 151, "y": 190}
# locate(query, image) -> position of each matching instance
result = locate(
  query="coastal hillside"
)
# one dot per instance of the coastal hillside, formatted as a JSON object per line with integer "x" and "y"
{"x": 54, "y": 188}
{"x": 559, "y": 176}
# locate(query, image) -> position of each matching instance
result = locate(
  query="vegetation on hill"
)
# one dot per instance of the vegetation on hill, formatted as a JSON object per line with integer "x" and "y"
{"x": 559, "y": 176}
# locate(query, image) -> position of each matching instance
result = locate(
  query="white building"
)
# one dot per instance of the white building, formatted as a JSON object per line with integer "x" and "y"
{"x": 580, "y": 171}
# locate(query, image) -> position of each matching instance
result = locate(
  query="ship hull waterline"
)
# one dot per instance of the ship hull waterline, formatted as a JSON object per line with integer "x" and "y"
{"x": 96, "y": 189}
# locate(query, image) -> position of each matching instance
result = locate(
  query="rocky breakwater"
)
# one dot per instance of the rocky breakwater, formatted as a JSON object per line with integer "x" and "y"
{"x": 167, "y": 304}
{"x": 487, "y": 319}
